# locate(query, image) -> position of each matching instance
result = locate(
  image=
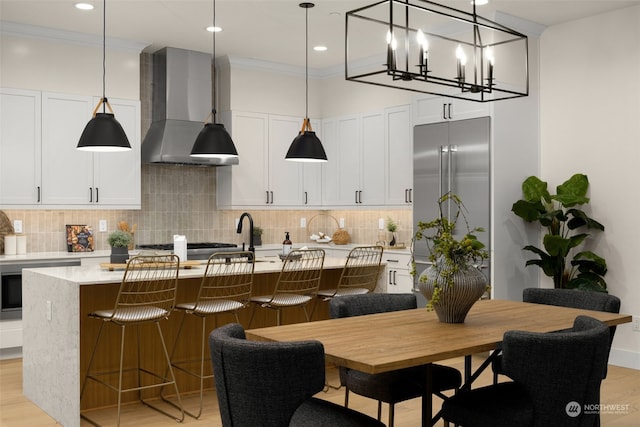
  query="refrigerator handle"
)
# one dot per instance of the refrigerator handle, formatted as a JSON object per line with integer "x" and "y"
{"x": 440, "y": 154}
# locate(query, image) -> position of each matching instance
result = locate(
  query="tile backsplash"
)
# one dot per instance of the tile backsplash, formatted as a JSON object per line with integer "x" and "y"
{"x": 180, "y": 199}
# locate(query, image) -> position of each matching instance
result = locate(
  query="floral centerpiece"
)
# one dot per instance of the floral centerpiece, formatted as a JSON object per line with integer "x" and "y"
{"x": 455, "y": 261}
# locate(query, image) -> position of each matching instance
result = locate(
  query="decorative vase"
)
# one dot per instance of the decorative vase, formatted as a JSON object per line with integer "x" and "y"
{"x": 455, "y": 301}
{"x": 119, "y": 255}
{"x": 393, "y": 240}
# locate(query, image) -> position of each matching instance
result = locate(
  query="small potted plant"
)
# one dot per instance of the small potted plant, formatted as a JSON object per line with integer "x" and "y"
{"x": 119, "y": 241}
{"x": 257, "y": 236}
{"x": 392, "y": 226}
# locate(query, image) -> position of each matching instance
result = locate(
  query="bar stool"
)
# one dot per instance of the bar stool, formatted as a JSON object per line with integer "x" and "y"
{"x": 147, "y": 295}
{"x": 225, "y": 288}
{"x": 297, "y": 284}
{"x": 359, "y": 275}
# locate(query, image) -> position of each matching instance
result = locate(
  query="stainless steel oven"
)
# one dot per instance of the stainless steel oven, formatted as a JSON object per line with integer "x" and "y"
{"x": 11, "y": 284}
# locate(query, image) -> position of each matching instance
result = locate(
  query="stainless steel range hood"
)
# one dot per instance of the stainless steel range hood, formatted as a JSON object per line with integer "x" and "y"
{"x": 181, "y": 102}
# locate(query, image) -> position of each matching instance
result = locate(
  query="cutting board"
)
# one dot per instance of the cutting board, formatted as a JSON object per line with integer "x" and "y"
{"x": 183, "y": 264}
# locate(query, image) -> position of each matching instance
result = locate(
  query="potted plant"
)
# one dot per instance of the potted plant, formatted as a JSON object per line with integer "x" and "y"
{"x": 119, "y": 241}
{"x": 453, "y": 282}
{"x": 563, "y": 221}
{"x": 257, "y": 236}
{"x": 392, "y": 226}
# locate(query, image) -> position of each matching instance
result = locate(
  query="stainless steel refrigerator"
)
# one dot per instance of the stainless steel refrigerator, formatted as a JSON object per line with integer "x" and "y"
{"x": 452, "y": 156}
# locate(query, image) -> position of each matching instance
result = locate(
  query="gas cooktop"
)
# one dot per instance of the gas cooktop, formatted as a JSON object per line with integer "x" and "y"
{"x": 194, "y": 250}
{"x": 169, "y": 246}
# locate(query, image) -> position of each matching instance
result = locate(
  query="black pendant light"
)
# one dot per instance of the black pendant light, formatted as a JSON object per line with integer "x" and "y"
{"x": 213, "y": 141}
{"x": 103, "y": 133}
{"x": 306, "y": 147}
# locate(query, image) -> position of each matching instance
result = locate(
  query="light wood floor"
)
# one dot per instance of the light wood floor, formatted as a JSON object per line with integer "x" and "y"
{"x": 622, "y": 387}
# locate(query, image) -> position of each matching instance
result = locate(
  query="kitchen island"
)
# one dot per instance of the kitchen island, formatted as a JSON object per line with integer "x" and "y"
{"x": 58, "y": 334}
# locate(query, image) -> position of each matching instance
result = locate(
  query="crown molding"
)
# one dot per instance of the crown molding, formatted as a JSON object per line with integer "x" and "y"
{"x": 8, "y": 28}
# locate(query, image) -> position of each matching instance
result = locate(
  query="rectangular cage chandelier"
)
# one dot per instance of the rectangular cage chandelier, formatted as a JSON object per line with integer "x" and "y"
{"x": 421, "y": 46}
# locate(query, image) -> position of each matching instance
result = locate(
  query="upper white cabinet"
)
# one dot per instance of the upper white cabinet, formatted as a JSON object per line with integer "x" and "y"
{"x": 438, "y": 109}
{"x": 20, "y": 136}
{"x": 354, "y": 174}
{"x": 370, "y": 158}
{"x": 263, "y": 177}
{"x": 57, "y": 175}
{"x": 399, "y": 147}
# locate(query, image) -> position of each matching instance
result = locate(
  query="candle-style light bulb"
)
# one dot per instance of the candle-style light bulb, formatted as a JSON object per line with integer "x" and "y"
{"x": 462, "y": 61}
{"x": 424, "y": 50}
{"x": 491, "y": 59}
{"x": 392, "y": 45}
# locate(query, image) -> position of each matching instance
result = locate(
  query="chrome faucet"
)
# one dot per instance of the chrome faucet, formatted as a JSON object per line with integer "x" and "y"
{"x": 239, "y": 230}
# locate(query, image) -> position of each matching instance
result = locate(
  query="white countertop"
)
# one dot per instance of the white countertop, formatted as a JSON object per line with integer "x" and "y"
{"x": 66, "y": 256}
{"x": 94, "y": 274}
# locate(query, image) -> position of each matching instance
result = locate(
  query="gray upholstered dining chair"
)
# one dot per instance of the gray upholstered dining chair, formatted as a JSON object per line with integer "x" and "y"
{"x": 272, "y": 384}
{"x": 574, "y": 298}
{"x": 552, "y": 385}
{"x": 394, "y": 386}
{"x": 147, "y": 295}
{"x": 297, "y": 284}
{"x": 225, "y": 288}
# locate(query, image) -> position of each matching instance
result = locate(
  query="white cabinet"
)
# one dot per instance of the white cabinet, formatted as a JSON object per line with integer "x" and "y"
{"x": 263, "y": 177}
{"x": 20, "y": 144}
{"x": 399, "y": 148}
{"x": 438, "y": 109}
{"x": 79, "y": 178}
{"x": 354, "y": 174}
{"x": 56, "y": 174}
{"x": 397, "y": 272}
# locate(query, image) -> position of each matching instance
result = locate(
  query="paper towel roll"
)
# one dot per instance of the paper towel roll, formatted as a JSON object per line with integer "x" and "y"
{"x": 21, "y": 244}
{"x": 10, "y": 244}
{"x": 180, "y": 246}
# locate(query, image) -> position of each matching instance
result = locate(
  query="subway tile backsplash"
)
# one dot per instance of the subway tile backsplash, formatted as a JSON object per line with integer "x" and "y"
{"x": 180, "y": 199}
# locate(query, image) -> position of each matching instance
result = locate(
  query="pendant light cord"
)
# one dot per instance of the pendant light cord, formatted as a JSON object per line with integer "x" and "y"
{"x": 213, "y": 63}
{"x": 104, "y": 54}
{"x": 306, "y": 62}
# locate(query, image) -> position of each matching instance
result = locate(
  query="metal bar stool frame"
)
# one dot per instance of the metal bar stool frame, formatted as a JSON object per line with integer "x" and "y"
{"x": 360, "y": 274}
{"x": 225, "y": 288}
{"x": 147, "y": 294}
{"x": 297, "y": 284}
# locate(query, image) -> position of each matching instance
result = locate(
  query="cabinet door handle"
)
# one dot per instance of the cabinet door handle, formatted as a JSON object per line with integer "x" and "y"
{"x": 450, "y": 117}
{"x": 394, "y": 278}
{"x": 97, "y": 195}
{"x": 355, "y": 196}
{"x": 38, "y": 194}
{"x": 406, "y": 195}
{"x": 267, "y": 196}
{"x": 392, "y": 260}
{"x": 90, "y": 195}
{"x": 444, "y": 111}
{"x": 360, "y": 196}
{"x": 390, "y": 281}
{"x": 271, "y": 196}
{"x": 306, "y": 198}
{"x": 411, "y": 195}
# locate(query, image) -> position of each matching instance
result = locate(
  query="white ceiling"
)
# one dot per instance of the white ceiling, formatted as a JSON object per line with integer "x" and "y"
{"x": 268, "y": 30}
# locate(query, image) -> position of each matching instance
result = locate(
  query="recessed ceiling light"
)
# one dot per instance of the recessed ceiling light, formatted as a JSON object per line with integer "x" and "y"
{"x": 84, "y": 6}
{"x": 214, "y": 29}
{"x": 319, "y": 48}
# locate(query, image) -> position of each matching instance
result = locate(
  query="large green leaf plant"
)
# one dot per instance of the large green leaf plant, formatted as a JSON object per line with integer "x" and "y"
{"x": 565, "y": 224}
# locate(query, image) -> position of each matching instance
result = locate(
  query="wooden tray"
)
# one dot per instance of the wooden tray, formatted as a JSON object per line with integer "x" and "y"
{"x": 187, "y": 265}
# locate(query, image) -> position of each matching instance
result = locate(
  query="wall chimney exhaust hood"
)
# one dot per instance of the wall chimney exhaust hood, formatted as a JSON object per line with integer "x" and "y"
{"x": 181, "y": 102}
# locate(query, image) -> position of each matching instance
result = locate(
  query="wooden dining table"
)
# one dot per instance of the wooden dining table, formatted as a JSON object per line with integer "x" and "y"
{"x": 385, "y": 342}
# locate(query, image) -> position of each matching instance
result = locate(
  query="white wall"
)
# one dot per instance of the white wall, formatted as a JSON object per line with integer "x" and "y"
{"x": 34, "y": 63}
{"x": 590, "y": 123}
